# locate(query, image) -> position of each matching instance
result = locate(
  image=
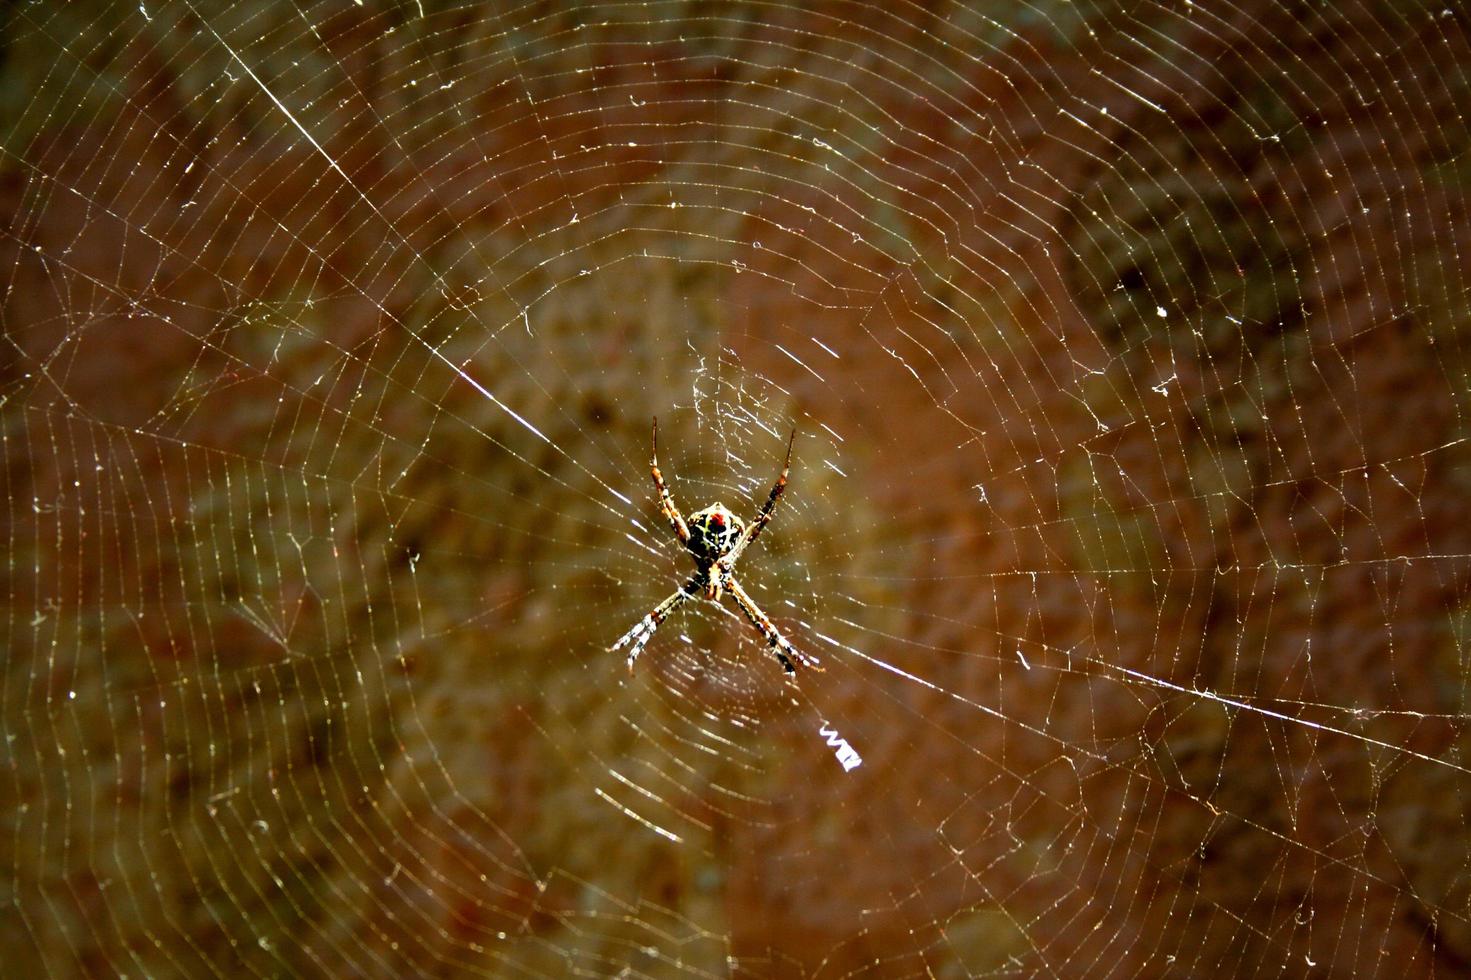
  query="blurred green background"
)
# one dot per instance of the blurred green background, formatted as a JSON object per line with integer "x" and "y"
{"x": 1126, "y": 346}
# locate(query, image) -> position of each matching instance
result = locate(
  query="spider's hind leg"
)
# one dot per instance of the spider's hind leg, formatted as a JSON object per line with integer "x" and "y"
{"x": 666, "y": 501}
{"x": 753, "y": 529}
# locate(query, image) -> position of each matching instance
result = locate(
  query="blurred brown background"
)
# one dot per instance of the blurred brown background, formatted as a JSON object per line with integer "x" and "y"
{"x": 1126, "y": 346}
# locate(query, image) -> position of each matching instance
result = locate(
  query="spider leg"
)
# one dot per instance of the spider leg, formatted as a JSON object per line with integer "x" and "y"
{"x": 727, "y": 562}
{"x": 785, "y": 652}
{"x": 643, "y": 629}
{"x": 666, "y": 502}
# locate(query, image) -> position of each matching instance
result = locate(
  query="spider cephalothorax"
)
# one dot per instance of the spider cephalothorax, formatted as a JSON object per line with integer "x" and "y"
{"x": 715, "y": 538}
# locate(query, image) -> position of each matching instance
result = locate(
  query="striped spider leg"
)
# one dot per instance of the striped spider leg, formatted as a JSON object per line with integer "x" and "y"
{"x": 644, "y": 628}
{"x": 715, "y": 538}
{"x": 666, "y": 502}
{"x": 727, "y": 562}
{"x": 783, "y": 650}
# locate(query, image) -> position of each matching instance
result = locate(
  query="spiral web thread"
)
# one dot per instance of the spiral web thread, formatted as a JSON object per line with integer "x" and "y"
{"x": 1124, "y": 347}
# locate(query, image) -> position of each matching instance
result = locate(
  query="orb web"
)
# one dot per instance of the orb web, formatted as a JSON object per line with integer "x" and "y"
{"x": 1124, "y": 345}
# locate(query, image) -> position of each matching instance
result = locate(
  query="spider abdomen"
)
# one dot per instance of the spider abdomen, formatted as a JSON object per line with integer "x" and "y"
{"x": 713, "y": 532}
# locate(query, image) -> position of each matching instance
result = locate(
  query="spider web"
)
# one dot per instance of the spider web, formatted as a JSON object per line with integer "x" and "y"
{"x": 1125, "y": 345}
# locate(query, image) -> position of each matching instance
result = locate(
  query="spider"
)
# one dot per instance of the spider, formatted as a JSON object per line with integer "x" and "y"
{"x": 715, "y": 538}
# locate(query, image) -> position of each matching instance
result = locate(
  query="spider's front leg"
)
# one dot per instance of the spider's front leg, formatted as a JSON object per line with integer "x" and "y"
{"x": 784, "y": 651}
{"x": 643, "y": 629}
